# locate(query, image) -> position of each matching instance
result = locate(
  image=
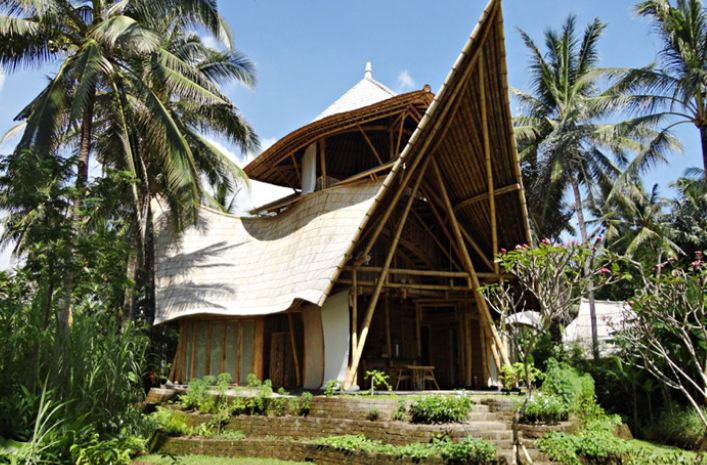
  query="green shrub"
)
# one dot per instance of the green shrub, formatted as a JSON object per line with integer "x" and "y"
{"x": 197, "y": 395}
{"x": 373, "y": 414}
{"x": 466, "y": 451}
{"x": 331, "y": 386}
{"x": 401, "y": 412}
{"x": 680, "y": 426}
{"x": 576, "y": 390}
{"x": 305, "y": 403}
{"x": 601, "y": 447}
{"x": 378, "y": 379}
{"x": 545, "y": 408}
{"x": 170, "y": 421}
{"x": 440, "y": 409}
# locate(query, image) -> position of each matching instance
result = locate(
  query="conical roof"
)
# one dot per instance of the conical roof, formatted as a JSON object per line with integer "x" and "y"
{"x": 366, "y": 92}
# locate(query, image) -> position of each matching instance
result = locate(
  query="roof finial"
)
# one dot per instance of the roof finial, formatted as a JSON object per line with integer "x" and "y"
{"x": 368, "y": 73}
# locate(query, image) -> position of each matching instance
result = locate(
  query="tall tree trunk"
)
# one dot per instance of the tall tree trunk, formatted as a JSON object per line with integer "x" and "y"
{"x": 149, "y": 255}
{"x": 703, "y": 137}
{"x": 587, "y": 266}
{"x": 65, "y": 315}
{"x": 129, "y": 295}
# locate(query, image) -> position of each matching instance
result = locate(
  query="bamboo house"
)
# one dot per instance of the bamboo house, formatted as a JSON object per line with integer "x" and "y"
{"x": 399, "y": 204}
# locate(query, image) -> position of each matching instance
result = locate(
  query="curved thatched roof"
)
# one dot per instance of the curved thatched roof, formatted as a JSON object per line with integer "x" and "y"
{"x": 254, "y": 266}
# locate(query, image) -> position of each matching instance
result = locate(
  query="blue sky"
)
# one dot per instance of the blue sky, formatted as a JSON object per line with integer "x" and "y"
{"x": 309, "y": 52}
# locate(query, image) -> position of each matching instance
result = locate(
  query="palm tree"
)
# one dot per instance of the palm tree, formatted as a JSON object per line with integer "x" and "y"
{"x": 119, "y": 87}
{"x": 563, "y": 130}
{"x": 636, "y": 224}
{"x": 681, "y": 81}
{"x": 688, "y": 213}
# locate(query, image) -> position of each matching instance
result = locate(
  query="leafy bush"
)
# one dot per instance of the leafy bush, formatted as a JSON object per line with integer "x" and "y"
{"x": 466, "y": 451}
{"x": 575, "y": 390}
{"x": 331, "y": 386}
{"x": 373, "y": 414}
{"x": 401, "y": 412}
{"x": 440, "y": 409}
{"x": 681, "y": 427}
{"x": 197, "y": 395}
{"x": 305, "y": 403}
{"x": 170, "y": 421}
{"x": 378, "y": 379}
{"x": 602, "y": 447}
{"x": 545, "y": 408}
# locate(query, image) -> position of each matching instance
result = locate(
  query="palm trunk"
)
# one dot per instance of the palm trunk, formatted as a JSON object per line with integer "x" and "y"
{"x": 703, "y": 137}
{"x": 65, "y": 314}
{"x": 587, "y": 266}
{"x": 129, "y": 295}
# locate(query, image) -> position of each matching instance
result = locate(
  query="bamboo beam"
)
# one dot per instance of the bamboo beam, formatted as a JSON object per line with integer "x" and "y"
{"x": 435, "y": 239}
{"x": 421, "y": 287}
{"x": 384, "y": 274}
{"x": 388, "y": 340}
{"x": 322, "y": 161}
{"x": 293, "y": 343}
{"x": 192, "y": 365}
{"x": 369, "y": 173}
{"x": 482, "y": 255}
{"x": 409, "y": 272}
{"x": 297, "y": 170}
{"x": 370, "y": 144}
{"x": 480, "y": 302}
{"x": 418, "y": 329}
{"x": 487, "y": 157}
{"x": 403, "y": 116}
{"x": 354, "y": 313}
{"x": 485, "y": 195}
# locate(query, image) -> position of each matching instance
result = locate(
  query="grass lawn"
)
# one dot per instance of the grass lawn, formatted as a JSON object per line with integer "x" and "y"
{"x": 157, "y": 459}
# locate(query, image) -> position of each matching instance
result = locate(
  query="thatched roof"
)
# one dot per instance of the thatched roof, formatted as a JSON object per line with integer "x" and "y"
{"x": 366, "y": 92}
{"x": 240, "y": 266}
{"x": 253, "y": 266}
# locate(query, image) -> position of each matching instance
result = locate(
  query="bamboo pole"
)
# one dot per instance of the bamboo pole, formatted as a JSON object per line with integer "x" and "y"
{"x": 388, "y": 340}
{"x": 480, "y": 302}
{"x": 487, "y": 157}
{"x": 384, "y": 274}
{"x": 409, "y": 272}
{"x": 293, "y": 343}
{"x": 435, "y": 239}
{"x": 192, "y": 367}
{"x": 484, "y": 195}
{"x": 370, "y": 144}
{"x": 466, "y": 235}
{"x": 354, "y": 314}
{"x": 322, "y": 161}
{"x": 418, "y": 329}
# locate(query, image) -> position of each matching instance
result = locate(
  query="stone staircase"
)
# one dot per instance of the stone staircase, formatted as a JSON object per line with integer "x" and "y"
{"x": 289, "y": 437}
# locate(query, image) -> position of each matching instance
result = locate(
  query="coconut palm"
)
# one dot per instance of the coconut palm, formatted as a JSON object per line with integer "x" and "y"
{"x": 563, "y": 130}
{"x": 688, "y": 213}
{"x": 680, "y": 82}
{"x": 637, "y": 224}
{"x": 129, "y": 89}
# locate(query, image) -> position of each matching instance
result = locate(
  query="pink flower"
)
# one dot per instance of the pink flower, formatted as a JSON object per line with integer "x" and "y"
{"x": 598, "y": 239}
{"x": 518, "y": 247}
{"x": 696, "y": 264}
{"x": 546, "y": 241}
{"x": 631, "y": 303}
{"x": 526, "y": 246}
{"x": 503, "y": 251}
{"x": 699, "y": 255}
{"x": 604, "y": 271}
{"x": 659, "y": 266}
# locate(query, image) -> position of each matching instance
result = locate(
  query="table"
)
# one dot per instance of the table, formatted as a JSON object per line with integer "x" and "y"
{"x": 418, "y": 376}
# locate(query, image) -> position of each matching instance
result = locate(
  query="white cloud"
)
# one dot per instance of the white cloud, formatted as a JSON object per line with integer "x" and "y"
{"x": 405, "y": 80}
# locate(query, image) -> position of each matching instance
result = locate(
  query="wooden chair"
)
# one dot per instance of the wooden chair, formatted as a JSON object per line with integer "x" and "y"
{"x": 402, "y": 374}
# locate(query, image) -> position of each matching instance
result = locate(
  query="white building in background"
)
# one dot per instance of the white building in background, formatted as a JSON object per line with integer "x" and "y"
{"x": 610, "y": 317}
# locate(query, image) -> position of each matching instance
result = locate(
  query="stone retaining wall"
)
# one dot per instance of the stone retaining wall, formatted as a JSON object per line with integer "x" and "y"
{"x": 282, "y": 450}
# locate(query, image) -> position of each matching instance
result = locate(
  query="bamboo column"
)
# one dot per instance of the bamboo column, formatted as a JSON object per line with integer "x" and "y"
{"x": 487, "y": 157}
{"x": 468, "y": 264}
{"x": 384, "y": 273}
{"x": 293, "y": 343}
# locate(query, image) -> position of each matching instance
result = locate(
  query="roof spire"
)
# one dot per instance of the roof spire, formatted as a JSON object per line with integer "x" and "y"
{"x": 368, "y": 72}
